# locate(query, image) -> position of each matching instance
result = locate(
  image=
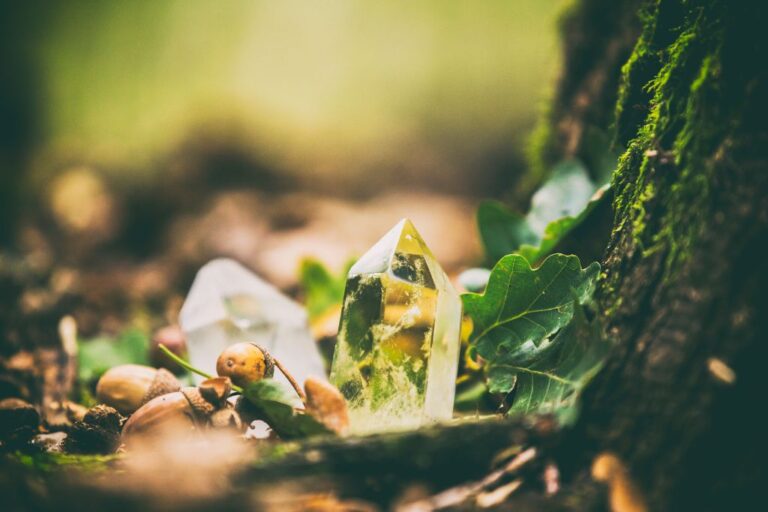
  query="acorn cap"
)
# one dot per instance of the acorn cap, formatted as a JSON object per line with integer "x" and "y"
{"x": 201, "y": 407}
{"x": 163, "y": 383}
{"x": 216, "y": 390}
{"x": 269, "y": 370}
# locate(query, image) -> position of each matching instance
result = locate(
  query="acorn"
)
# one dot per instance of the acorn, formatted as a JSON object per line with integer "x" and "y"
{"x": 245, "y": 363}
{"x": 196, "y": 407}
{"x": 158, "y": 412}
{"x": 127, "y": 387}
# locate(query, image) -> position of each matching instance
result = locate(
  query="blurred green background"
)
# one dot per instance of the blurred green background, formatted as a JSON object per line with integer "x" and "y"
{"x": 140, "y": 139}
{"x": 345, "y": 96}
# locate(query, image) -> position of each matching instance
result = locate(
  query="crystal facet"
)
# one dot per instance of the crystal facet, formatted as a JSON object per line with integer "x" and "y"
{"x": 228, "y": 304}
{"x": 398, "y": 345}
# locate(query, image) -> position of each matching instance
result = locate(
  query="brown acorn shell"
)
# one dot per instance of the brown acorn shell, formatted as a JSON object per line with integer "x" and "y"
{"x": 170, "y": 407}
{"x": 187, "y": 405}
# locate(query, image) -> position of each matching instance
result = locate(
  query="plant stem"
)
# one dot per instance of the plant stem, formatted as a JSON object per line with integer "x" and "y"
{"x": 290, "y": 378}
{"x": 192, "y": 369}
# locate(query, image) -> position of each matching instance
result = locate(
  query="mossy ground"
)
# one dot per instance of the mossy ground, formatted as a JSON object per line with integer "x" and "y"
{"x": 49, "y": 462}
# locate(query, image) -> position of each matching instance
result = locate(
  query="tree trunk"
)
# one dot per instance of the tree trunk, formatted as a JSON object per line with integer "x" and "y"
{"x": 683, "y": 290}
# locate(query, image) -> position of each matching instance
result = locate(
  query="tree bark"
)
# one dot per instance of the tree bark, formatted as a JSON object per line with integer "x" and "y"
{"x": 685, "y": 276}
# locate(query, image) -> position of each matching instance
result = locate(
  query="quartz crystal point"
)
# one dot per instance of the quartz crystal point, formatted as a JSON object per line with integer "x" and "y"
{"x": 398, "y": 345}
{"x": 228, "y": 304}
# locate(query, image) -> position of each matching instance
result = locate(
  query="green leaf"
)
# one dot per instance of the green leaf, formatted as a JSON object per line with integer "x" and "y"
{"x": 565, "y": 194}
{"x": 322, "y": 289}
{"x": 525, "y": 330}
{"x": 501, "y": 230}
{"x": 557, "y": 230}
{"x": 549, "y": 378}
{"x": 522, "y": 305}
{"x": 100, "y": 354}
{"x": 277, "y": 406}
{"x": 561, "y": 204}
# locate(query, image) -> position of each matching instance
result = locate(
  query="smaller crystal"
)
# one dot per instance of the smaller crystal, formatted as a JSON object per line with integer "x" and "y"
{"x": 228, "y": 304}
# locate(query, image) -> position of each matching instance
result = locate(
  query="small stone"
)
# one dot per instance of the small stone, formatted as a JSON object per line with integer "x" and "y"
{"x": 721, "y": 371}
{"x": 398, "y": 345}
{"x": 228, "y": 304}
{"x": 19, "y": 422}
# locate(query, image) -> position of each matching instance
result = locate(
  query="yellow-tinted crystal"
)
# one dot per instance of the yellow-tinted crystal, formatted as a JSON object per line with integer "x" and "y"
{"x": 398, "y": 345}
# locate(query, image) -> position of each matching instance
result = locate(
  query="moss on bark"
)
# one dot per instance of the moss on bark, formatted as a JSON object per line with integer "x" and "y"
{"x": 684, "y": 283}
{"x": 680, "y": 108}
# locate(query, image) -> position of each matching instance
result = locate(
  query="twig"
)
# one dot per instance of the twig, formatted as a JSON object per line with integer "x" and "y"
{"x": 460, "y": 494}
{"x": 290, "y": 378}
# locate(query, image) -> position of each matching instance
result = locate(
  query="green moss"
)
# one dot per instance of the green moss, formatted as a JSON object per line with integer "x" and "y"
{"x": 49, "y": 462}
{"x": 632, "y": 96}
{"x": 682, "y": 127}
{"x": 277, "y": 452}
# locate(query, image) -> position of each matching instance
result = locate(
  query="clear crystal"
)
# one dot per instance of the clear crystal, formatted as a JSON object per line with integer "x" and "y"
{"x": 228, "y": 304}
{"x": 398, "y": 345}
